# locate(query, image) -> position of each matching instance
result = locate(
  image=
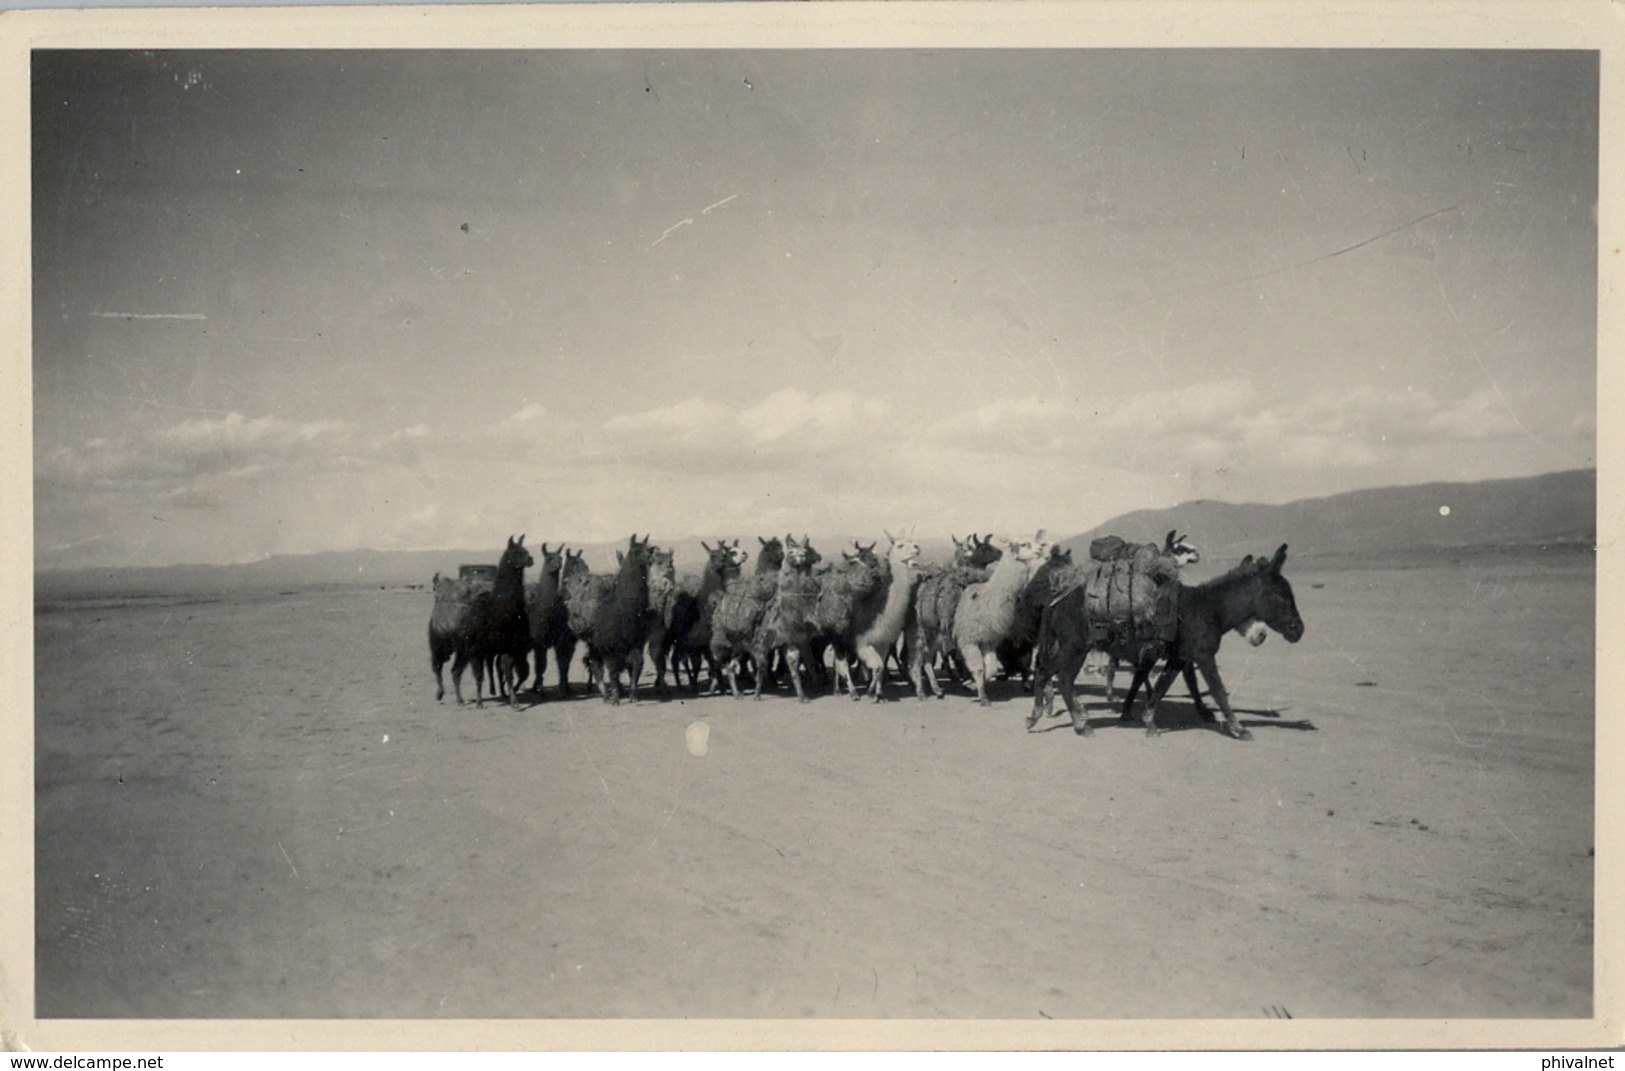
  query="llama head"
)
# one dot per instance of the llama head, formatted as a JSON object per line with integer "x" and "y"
{"x": 515, "y": 556}
{"x": 800, "y": 555}
{"x": 1179, "y": 549}
{"x": 552, "y": 561}
{"x": 771, "y": 556}
{"x": 902, "y": 552}
{"x": 979, "y": 552}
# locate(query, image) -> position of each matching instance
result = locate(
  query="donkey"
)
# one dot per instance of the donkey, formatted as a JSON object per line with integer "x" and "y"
{"x": 1176, "y": 550}
{"x": 1253, "y": 591}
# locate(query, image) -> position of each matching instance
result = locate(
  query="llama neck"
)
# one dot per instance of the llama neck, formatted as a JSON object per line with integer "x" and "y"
{"x": 1010, "y": 573}
{"x": 632, "y": 585}
{"x": 899, "y": 597}
{"x": 509, "y": 587}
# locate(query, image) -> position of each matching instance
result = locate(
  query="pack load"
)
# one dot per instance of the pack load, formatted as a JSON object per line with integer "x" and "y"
{"x": 1125, "y": 598}
{"x": 1129, "y": 590}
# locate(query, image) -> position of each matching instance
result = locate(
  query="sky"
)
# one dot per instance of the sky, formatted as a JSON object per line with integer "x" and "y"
{"x": 297, "y": 301}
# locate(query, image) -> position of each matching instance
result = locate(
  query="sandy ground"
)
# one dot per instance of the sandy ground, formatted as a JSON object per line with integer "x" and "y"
{"x": 253, "y": 807}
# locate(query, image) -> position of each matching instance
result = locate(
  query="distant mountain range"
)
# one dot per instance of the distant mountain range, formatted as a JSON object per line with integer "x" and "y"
{"x": 1556, "y": 508}
{"x": 1553, "y": 509}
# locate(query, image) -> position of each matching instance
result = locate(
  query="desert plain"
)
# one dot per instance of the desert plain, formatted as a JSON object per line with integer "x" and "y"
{"x": 248, "y": 804}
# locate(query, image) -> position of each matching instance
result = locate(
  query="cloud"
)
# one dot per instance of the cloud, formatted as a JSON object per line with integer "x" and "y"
{"x": 233, "y": 446}
{"x": 1226, "y": 424}
{"x": 783, "y": 431}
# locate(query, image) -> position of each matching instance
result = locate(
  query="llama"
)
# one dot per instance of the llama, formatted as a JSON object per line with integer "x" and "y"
{"x": 495, "y": 629}
{"x": 928, "y": 634}
{"x": 682, "y": 633}
{"x": 1016, "y": 649}
{"x": 787, "y": 621}
{"x": 620, "y": 623}
{"x": 986, "y": 611}
{"x": 663, "y": 593}
{"x": 549, "y": 620}
{"x": 738, "y": 613}
{"x": 875, "y": 639}
{"x": 584, "y": 592}
{"x": 850, "y": 595}
{"x": 448, "y": 621}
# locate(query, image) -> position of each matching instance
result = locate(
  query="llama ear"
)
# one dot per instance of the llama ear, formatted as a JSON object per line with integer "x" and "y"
{"x": 1171, "y": 540}
{"x": 1279, "y": 559}
{"x": 889, "y": 537}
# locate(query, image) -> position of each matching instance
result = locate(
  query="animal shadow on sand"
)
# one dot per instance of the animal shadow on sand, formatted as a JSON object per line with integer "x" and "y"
{"x": 1176, "y": 716}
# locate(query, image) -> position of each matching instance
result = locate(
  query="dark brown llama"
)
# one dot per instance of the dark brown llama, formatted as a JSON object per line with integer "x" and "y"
{"x": 688, "y": 633}
{"x": 497, "y": 629}
{"x": 786, "y": 625}
{"x": 549, "y": 620}
{"x": 620, "y": 626}
{"x": 739, "y": 611}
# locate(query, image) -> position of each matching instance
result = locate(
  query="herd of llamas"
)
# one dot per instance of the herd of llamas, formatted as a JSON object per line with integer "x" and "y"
{"x": 1021, "y": 605}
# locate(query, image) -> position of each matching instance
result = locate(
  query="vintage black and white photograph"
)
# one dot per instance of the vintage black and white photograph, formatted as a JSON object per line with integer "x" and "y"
{"x": 1046, "y": 533}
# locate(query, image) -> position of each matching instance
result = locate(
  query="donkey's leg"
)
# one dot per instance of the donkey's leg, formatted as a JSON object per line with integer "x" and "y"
{"x": 1210, "y": 669}
{"x": 1141, "y": 679}
{"x": 1065, "y": 681}
{"x": 1196, "y": 693}
{"x": 1154, "y": 699}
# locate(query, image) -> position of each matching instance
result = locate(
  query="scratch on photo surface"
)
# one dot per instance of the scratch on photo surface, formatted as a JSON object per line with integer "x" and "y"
{"x": 667, "y": 232}
{"x": 576, "y": 736}
{"x": 706, "y": 211}
{"x": 1508, "y": 828}
{"x": 149, "y": 315}
{"x": 285, "y": 855}
{"x": 1484, "y": 370}
{"x": 1347, "y": 248}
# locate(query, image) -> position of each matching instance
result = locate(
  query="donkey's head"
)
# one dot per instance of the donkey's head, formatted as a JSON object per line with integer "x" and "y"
{"x": 1274, "y": 604}
{"x": 1179, "y": 549}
